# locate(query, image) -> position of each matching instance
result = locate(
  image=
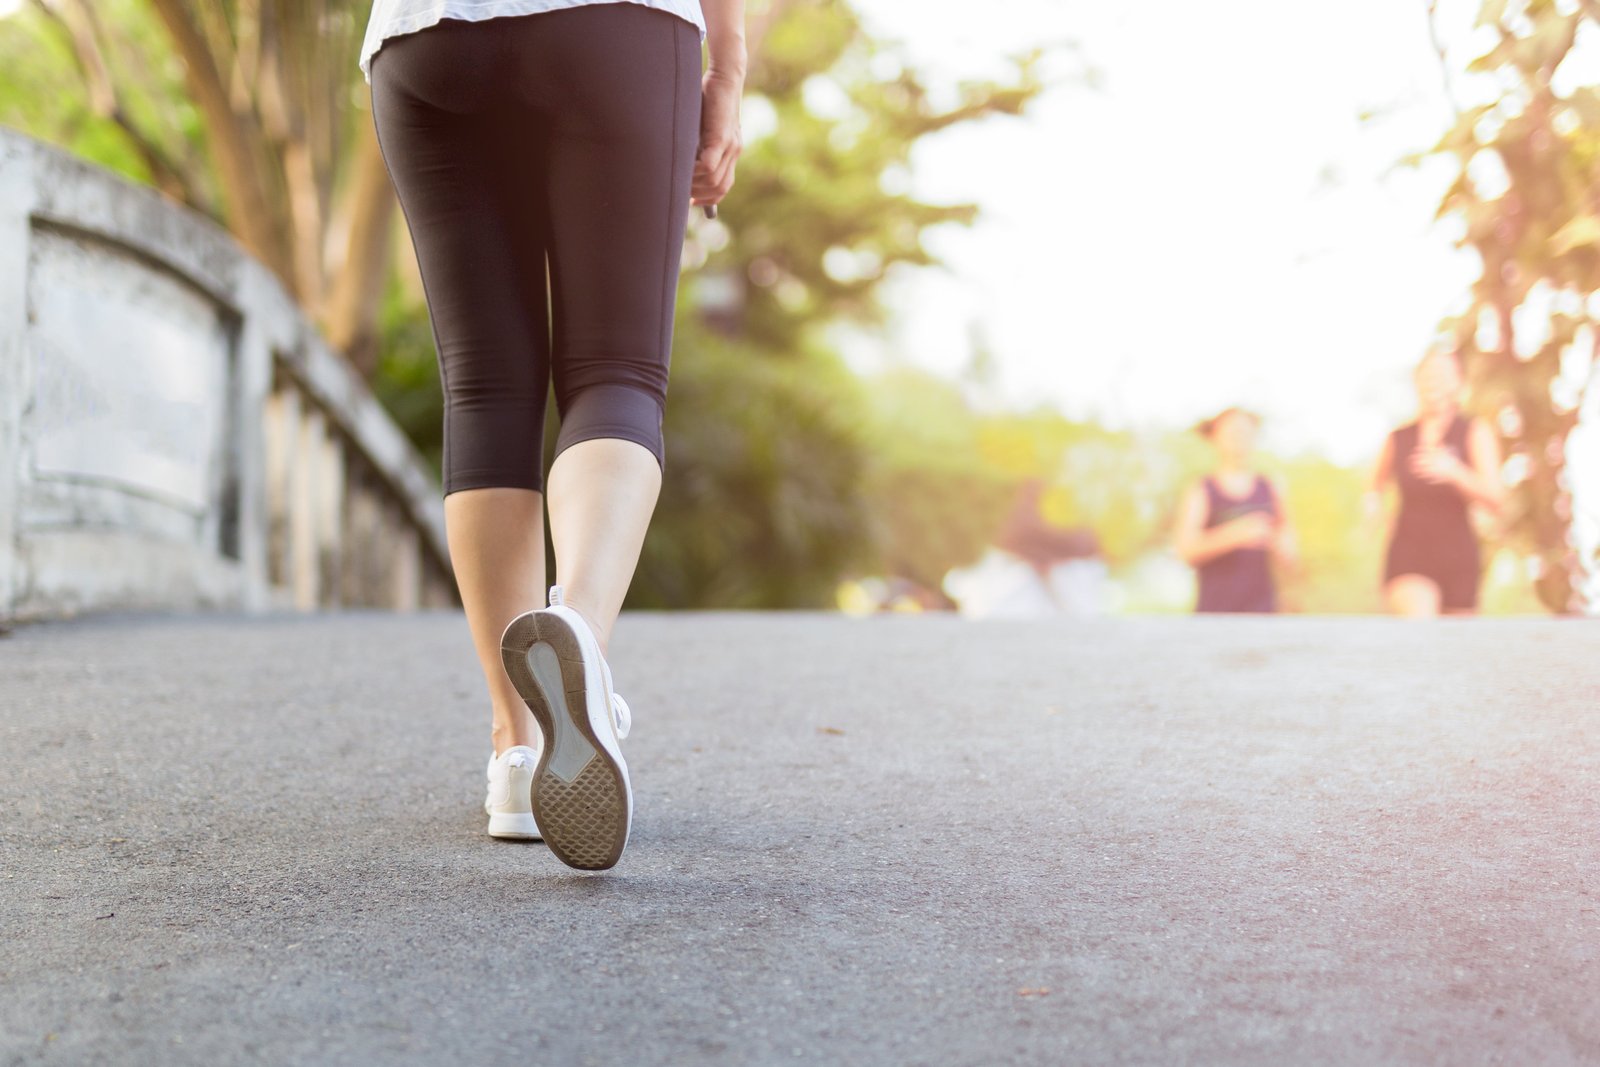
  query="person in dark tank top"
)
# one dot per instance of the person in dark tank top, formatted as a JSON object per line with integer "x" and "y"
{"x": 1231, "y": 525}
{"x": 1442, "y": 465}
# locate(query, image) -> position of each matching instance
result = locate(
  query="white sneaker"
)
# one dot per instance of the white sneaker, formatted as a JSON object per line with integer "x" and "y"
{"x": 510, "y": 788}
{"x": 582, "y": 797}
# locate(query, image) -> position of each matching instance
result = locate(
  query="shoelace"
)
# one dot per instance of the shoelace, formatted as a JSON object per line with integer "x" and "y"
{"x": 621, "y": 717}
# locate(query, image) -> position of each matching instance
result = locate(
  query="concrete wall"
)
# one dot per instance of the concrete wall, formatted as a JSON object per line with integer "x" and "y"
{"x": 173, "y": 432}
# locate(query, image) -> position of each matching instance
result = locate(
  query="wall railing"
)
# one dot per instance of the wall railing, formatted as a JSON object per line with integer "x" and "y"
{"x": 173, "y": 432}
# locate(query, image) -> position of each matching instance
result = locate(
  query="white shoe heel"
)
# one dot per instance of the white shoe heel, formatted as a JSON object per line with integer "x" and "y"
{"x": 509, "y": 800}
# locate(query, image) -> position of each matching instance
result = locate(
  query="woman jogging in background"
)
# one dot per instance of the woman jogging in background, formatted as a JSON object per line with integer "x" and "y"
{"x": 1441, "y": 464}
{"x": 1231, "y": 525}
{"x": 545, "y": 154}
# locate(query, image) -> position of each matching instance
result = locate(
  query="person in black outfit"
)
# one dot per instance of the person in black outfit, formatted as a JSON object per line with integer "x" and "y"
{"x": 545, "y": 157}
{"x": 1231, "y": 524}
{"x": 1442, "y": 464}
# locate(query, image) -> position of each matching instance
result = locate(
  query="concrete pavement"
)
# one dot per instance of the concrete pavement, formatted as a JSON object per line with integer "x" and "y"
{"x": 905, "y": 840}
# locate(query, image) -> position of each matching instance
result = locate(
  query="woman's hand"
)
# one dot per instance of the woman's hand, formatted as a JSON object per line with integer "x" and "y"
{"x": 1440, "y": 466}
{"x": 1286, "y": 550}
{"x": 1254, "y": 529}
{"x": 720, "y": 143}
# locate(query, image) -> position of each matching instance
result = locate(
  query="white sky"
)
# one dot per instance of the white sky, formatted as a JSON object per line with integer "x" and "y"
{"x": 1214, "y": 225}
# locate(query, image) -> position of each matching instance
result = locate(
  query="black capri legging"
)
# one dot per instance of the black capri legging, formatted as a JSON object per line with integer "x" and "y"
{"x": 565, "y": 137}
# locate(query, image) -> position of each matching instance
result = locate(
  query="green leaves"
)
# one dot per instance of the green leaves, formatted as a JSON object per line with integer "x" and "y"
{"x": 821, "y": 181}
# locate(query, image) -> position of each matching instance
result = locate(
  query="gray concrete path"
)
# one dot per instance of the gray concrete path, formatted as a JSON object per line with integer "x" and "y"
{"x": 884, "y": 841}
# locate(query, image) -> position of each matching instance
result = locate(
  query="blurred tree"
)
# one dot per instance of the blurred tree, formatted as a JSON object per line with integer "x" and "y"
{"x": 933, "y": 495}
{"x": 243, "y": 109}
{"x": 943, "y": 477}
{"x": 1343, "y": 557}
{"x": 762, "y": 506}
{"x": 1527, "y": 194}
{"x": 776, "y": 486}
{"x": 820, "y": 215}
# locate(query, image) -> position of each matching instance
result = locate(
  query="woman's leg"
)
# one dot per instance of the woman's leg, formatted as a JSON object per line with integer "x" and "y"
{"x": 1412, "y": 596}
{"x": 472, "y": 202}
{"x": 619, "y": 177}
{"x": 497, "y": 549}
{"x": 602, "y": 494}
{"x": 1458, "y": 586}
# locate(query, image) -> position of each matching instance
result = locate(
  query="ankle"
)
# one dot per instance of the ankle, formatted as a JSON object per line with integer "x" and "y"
{"x": 601, "y": 633}
{"x": 504, "y": 736}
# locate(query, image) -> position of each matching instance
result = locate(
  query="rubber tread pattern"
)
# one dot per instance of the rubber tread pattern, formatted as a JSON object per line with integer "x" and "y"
{"x": 584, "y": 822}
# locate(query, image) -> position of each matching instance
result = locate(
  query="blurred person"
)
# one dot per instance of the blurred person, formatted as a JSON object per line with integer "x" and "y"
{"x": 1231, "y": 526}
{"x": 1442, "y": 464}
{"x": 1033, "y": 570}
{"x": 546, "y": 154}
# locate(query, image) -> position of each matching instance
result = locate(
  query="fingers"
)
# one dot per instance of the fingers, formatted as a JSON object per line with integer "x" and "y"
{"x": 713, "y": 174}
{"x": 714, "y": 162}
{"x": 703, "y": 190}
{"x": 724, "y": 172}
{"x": 709, "y": 155}
{"x": 707, "y": 166}
{"x": 713, "y": 187}
{"x": 1430, "y": 469}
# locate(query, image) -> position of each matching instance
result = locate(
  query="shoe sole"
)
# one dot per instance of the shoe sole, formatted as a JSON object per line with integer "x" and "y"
{"x": 514, "y": 826}
{"x": 582, "y": 800}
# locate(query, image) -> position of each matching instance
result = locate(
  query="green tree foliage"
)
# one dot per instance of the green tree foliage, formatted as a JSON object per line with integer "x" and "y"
{"x": 250, "y": 111}
{"x": 775, "y": 485}
{"x": 817, "y": 219}
{"x": 1342, "y": 552}
{"x": 936, "y": 499}
{"x": 762, "y": 505}
{"x": 1527, "y": 194}
{"x": 44, "y": 91}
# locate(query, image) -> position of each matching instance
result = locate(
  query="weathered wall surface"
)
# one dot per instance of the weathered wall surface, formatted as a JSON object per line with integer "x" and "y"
{"x": 173, "y": 432}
